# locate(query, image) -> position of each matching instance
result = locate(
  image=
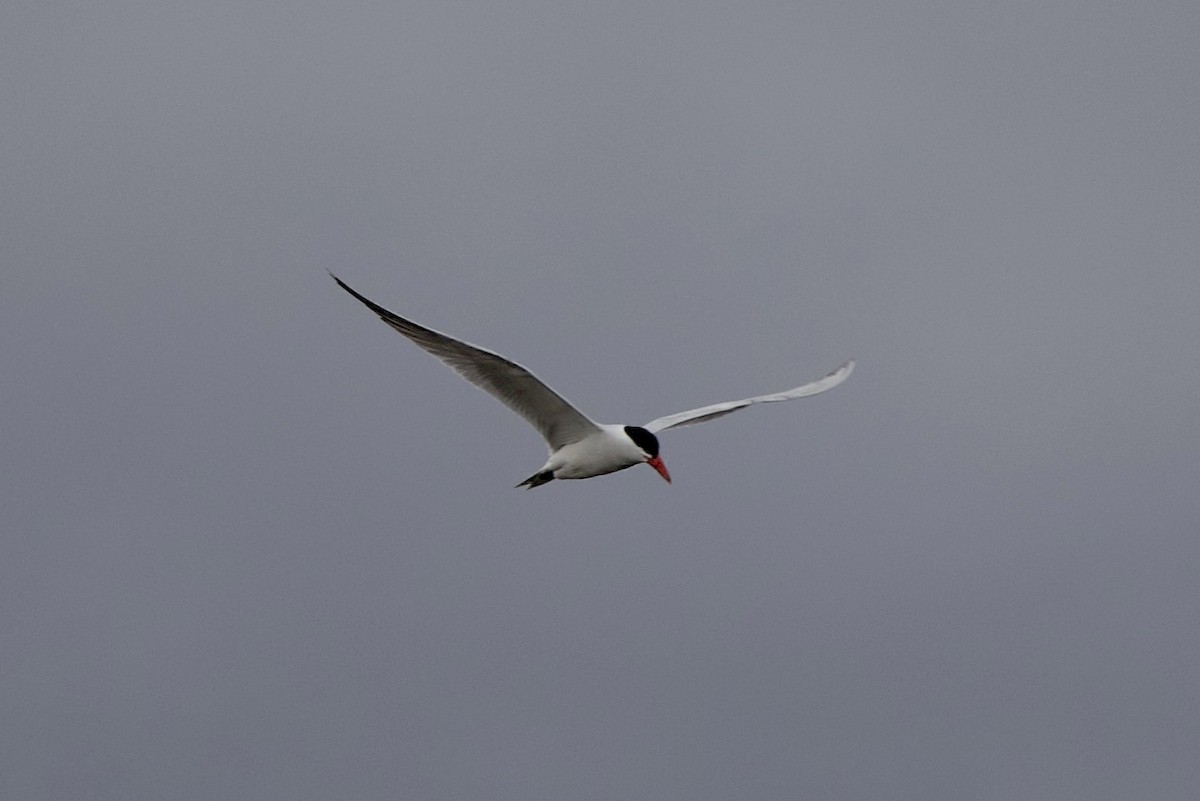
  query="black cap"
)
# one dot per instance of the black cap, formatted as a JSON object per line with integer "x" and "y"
{"x": 643, "y": 439}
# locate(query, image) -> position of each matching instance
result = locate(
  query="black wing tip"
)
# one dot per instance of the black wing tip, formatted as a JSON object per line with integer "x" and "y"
{"x": 370, "y": 304}
{"x": 344, "y": 285}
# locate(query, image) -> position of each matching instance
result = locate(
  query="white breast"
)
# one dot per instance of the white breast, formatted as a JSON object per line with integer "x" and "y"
{"x": 606, "y": 451}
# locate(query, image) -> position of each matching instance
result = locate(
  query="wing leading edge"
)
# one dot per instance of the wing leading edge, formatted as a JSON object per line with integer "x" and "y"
{"x": 712, "y": 412}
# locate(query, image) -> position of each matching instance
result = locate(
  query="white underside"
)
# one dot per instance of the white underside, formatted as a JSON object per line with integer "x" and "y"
{"x": 606, "y": 451}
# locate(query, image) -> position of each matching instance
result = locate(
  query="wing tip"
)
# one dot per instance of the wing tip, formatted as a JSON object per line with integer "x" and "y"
{"x": 341, "y": 283}
{"x": 383, "y": 313}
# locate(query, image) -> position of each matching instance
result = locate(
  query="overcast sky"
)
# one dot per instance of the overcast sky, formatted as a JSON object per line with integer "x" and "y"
{"x": 255, "y": 545}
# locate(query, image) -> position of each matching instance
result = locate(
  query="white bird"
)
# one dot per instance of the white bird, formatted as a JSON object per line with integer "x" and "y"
{"x": 579, "y": 447}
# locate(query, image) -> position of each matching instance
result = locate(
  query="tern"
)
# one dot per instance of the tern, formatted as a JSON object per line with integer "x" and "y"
{"x": 579, "y": 447}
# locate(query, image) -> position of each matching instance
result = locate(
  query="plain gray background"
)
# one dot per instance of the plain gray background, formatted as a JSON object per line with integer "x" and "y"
{"x": 256, "y": 545}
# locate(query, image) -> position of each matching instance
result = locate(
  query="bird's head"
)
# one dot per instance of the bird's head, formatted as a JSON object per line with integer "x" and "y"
{"x": 648, "y": 443}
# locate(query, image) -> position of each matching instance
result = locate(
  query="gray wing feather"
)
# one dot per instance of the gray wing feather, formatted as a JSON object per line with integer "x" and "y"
{"x": 556, "y": 420}
{"x": 706, "y": 413}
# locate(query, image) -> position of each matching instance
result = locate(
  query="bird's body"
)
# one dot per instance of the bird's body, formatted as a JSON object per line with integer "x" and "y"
{"x": 606, "y": 451}
{"x": 579, "y": 447}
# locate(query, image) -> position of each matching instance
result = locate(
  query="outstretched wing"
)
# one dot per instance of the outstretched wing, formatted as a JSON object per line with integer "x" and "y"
{"x": 705, "y": 413}
{"x": 556, "y": 420}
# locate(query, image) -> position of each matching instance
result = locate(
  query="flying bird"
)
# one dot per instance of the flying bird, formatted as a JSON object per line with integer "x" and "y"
{"x": 579, "y": 447}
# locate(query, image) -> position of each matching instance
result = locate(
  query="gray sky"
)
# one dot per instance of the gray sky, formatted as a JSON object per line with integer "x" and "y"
{"x": 255, "y": 545}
